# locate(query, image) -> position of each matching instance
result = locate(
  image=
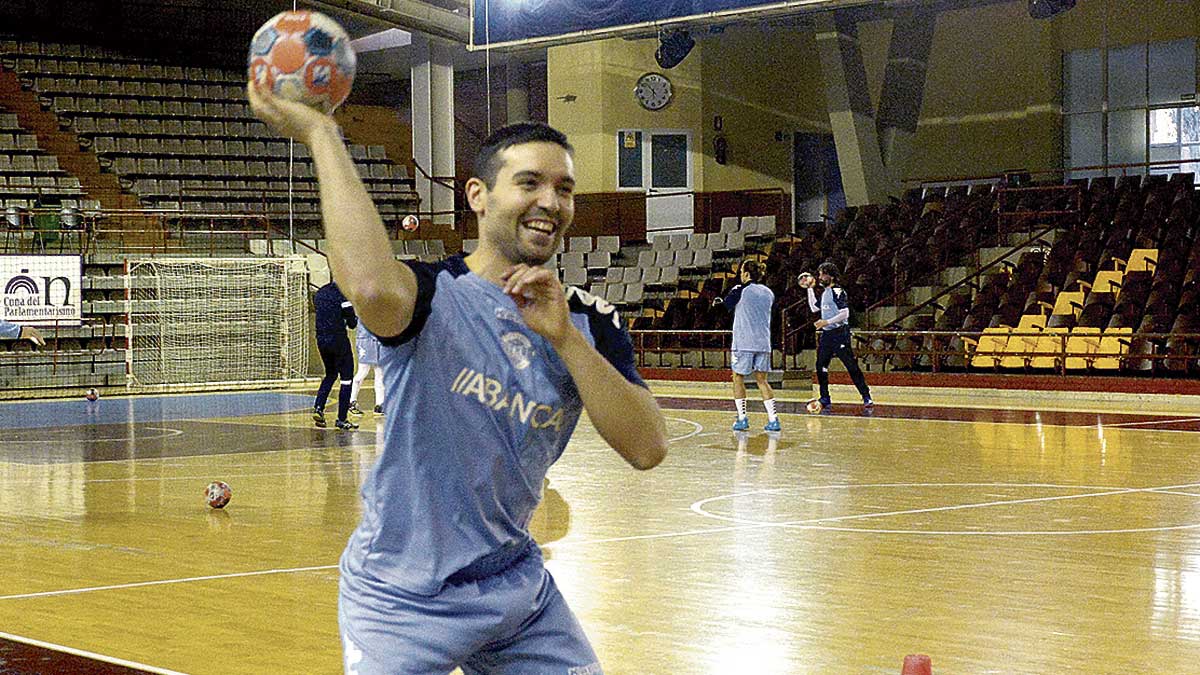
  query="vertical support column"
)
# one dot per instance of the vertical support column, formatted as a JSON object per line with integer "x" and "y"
{"x": 433, "y": 125}
{"x": 904, "y": 88}
{"x": 518, "y": 92}
{"x": 851, "y": 115}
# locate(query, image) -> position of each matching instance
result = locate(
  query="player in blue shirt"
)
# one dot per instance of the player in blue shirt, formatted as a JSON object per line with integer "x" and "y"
{"x": 15, "y": 331}
{"x": 488, "y": 363}
{"x": 751, "y": 304}
{"x": 833, "y": 329}
{"x": 368, "y": 359}
{"x": 334, "y": 315}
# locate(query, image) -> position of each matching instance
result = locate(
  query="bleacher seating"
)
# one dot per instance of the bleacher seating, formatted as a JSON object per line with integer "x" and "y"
{"x": 181, "y": 138}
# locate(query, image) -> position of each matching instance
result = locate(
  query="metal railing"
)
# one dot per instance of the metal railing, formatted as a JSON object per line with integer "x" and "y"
{"x": 661, "y": 342}
{"x": 1042, "y": 351}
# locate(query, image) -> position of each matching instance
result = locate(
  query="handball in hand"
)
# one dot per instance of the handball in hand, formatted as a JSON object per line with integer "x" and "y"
{"x": 303, "y": 56}
{"x": 807, "y": 280}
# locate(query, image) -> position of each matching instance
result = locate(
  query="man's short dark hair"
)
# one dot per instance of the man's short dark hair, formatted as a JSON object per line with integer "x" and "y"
{"x": 828, "y": 268}
{"x": 487, "y": 162}
{"x": 752, "y": 268}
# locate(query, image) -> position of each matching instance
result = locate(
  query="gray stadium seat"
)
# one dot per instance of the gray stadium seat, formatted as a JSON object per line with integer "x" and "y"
{"x": 608, "y": 243}
{"x": 598, "y": 260}
{"x": 575, "y": 276}
{"x": 572, "y": 259}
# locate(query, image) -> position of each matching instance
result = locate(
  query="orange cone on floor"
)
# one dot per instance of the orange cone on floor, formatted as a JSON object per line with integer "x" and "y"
{"x": 917, "y": 664}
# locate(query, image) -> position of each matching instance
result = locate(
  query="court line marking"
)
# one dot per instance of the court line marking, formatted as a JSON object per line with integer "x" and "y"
{"x": 170, "y": 433}
{"x": 815, "y": 523}
{"x": 1028, "y": 425}
{"x": 698, "y": 428}
{"x": 164, "y": 582}
{"x": 1175, "y": 421}
{"x": 183, "y": 457}
{"x": 1123, "y": 425}
{"x": 88, "y": 655}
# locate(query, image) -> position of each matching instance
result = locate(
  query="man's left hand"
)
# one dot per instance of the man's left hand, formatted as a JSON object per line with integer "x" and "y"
{"x": 821, "y": 323}
{"x": 541, "y": 299}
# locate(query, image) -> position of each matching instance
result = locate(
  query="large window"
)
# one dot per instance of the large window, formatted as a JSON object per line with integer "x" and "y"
{"x": 1131, "y": 105}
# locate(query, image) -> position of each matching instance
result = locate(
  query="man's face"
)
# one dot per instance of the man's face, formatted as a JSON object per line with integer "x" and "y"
{"x": 745, "y": 276}
{"x": 527, "y": 212}
{"x": 825, "y": 278}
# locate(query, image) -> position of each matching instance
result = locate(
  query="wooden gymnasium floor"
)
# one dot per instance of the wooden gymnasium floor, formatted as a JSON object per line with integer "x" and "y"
{"x": 997, "y": 541}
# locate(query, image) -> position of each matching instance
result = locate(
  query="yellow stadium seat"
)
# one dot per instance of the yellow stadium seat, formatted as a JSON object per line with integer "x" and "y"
{"x": 1108, "y": 281}
{"x": 990, "y": 347}
{"x": 1019, "y": 345}
{"x": 1068, "y": 302}
{"x": 1050, "y": 346}
{"x": 1113, "y": 345}
{"x": 1142, "y": 260}
{"x": 1082, "y": 347}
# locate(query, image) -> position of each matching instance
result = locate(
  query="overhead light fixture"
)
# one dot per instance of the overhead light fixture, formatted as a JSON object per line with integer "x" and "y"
{"x": 673, "y": 46}
{"x": 1044, "y": 9}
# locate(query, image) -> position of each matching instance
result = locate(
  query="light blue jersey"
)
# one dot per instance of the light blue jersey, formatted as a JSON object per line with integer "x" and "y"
{"x": 751, "y": 306}
{"x": 834, "y": 307}
{"x": 478, "y": 408}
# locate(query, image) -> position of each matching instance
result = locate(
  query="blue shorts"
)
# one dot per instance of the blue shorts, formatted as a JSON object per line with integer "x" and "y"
{"x": 744, "y": 363}
{"x": 512, "y": 623}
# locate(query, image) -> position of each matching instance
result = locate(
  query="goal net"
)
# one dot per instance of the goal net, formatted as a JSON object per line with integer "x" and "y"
{"x": 217, "y": 320}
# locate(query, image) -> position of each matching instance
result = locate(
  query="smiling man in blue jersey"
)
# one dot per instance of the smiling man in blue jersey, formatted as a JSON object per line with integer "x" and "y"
{"x": 488, "y": 363}
{"x": 751, "y": 303}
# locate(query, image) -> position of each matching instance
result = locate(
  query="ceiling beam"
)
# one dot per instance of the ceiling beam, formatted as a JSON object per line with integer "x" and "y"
{"x": 409, "y": 15}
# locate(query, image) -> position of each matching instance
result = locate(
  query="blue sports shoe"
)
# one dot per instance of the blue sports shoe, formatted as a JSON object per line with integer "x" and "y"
{"x": 868, "y": 404}
{"x": 772, "y": 426}
{"x": 741, "y": 424}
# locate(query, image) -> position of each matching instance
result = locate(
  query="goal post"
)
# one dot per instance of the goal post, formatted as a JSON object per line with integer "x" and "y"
{"x": 207, "y": 321}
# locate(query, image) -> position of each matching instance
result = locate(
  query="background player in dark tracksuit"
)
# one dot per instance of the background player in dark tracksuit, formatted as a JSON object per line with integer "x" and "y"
{"x": 834, "y": 330}
{"x": 334, "y": 316}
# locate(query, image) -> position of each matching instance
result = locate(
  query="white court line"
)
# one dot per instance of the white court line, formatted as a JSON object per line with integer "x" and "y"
{"x": 742, "y": 525}
{"x": 1126, "y": 426}
{"x": 170, "y": 433}
{"x": 698, "y": 507}
{"x": 186, "y": 457}
{"x": 1174, "y": 421}
{"x": 698, "y": 428}
{"x": 164, "y": 582}
{"x": 88, "y": 655}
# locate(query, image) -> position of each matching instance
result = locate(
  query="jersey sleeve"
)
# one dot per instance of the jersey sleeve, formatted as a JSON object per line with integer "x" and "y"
{"x": 609, "y": 334}
{"x": 840, "y": 298}
{"x": 426, "y": 274}
{"x": 734, "y": 297}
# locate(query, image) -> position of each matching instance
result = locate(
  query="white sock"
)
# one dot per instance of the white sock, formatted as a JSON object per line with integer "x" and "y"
{"x": 769, "y": 404}
{"x": 741, "y": 407}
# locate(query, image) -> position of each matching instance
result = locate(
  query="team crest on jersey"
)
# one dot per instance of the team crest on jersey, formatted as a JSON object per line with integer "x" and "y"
{"x": 506, "y": 314}
{"x": 518, "y": 349}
